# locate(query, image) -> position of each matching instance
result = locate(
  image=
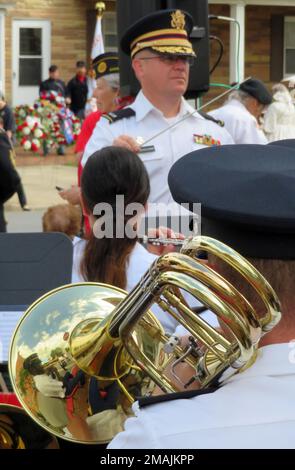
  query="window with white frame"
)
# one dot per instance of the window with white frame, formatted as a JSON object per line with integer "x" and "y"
{"x": 289, "y": 45}
{"x": 109, "y": 31}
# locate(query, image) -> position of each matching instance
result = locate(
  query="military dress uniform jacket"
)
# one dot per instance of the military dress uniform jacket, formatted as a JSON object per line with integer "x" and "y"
{"x": 144, "y": 121}
{"x": 9, "y": 178}
{"x": 240, "y": 124}
{"x": 254, "y": 409}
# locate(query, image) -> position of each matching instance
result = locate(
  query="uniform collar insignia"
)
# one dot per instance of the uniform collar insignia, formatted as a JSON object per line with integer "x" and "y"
{"x": 178, "y": 20}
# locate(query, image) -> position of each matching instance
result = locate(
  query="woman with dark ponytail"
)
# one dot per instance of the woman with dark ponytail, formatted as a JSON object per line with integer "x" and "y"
{"x": 113, "y": 173}
{"x": 114, "y": 178}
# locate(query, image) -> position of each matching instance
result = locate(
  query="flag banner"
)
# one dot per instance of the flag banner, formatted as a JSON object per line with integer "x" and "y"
{"x": 97, "y": 45}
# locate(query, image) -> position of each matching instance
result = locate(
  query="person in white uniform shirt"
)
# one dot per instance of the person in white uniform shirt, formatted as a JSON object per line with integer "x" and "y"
{"x": 242, "y": 111}
{"x": 254, "y": 408}
{"x": 161, "y": 55}
{"x": 114, "y": 258}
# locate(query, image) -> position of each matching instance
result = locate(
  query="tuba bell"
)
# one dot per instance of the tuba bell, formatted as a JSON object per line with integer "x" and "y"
{"x": 83, "y": 353}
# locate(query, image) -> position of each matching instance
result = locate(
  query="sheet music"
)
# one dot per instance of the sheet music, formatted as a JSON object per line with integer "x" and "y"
{"x": 8, "y": 323}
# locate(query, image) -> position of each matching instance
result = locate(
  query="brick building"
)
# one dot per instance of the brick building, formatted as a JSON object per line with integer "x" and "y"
{"x": 36, "y": 33}
{"x": 267, "y": 39}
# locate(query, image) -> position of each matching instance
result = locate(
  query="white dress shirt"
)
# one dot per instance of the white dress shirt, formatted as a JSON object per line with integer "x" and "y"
{"x": 139, "y": 262}
{"x": 254, "y": 409}
{"x": 169, "y": 147}
{"x": 240, "y": 124}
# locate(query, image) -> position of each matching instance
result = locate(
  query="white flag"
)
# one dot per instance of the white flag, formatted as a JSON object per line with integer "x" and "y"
{"x": 97, "y": 45}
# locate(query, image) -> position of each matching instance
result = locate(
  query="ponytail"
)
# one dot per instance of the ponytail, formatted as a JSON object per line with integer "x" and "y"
{"x": 108, "y": 173}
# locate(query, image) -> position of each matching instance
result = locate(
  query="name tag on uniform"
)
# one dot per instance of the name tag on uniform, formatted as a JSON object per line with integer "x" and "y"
{"x": 206, "y": 140}
{"x": 144, "y": 148}
{"x": 147, "y": 149}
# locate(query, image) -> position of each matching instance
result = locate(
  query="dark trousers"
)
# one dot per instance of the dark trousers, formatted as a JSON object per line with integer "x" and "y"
{"x": 21, "y": 195}
{"x": 2, "y": 220}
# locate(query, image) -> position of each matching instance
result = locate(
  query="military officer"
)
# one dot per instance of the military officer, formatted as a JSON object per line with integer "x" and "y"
{"x": 254, "y": 408}
{"x": 161, "y": 55}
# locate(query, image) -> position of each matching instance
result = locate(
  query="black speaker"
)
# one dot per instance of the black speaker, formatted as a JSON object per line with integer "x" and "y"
{"x": 129, "y": 11}
{"x": 199, "y": 72}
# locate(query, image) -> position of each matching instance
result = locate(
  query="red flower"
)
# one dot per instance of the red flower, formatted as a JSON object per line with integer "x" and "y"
{"x": 34, "y": 147}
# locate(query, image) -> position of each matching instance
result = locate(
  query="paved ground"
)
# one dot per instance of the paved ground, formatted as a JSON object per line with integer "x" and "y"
{"x": 39, "y": 176}
{"x": 39, "y": 183}
{"x": 21, "y": 222}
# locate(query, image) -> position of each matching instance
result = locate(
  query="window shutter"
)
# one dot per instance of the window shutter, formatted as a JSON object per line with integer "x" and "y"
{"x": 277, "y": 48}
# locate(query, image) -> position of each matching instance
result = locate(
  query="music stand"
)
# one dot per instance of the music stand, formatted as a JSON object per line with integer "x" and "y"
{"x": 31, "y": 264}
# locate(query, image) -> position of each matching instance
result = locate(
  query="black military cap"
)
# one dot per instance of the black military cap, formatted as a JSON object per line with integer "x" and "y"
{"x": 31, "y": 361}
{"x": 258, "y": 90}
{"x": 164, "y": 31}
{"x": 247, "y": 196}
{"x": 105, "y": 64}
{"x": 284, "y": 143}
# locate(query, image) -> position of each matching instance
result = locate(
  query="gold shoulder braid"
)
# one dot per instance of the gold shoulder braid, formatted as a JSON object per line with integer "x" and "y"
{"x": 178, "y": 20}
{"x": 12, "y": 157}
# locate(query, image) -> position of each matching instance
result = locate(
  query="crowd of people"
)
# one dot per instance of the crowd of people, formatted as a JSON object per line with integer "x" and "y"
{"x": 246, "y": 196}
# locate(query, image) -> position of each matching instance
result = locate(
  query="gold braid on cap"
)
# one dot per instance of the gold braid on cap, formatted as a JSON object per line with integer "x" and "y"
{"x": 165, "y": 40}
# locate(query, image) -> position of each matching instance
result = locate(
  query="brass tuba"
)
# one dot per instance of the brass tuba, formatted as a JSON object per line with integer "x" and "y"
{"x": 82, "y": 353}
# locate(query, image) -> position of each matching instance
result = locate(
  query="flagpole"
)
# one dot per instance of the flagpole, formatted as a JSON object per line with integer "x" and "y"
{"x": 95, "y": 51}
{"x": 100, "y": 8}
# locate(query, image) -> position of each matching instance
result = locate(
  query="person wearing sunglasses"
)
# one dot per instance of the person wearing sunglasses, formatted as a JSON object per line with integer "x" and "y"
{"x": 161, "y": 55}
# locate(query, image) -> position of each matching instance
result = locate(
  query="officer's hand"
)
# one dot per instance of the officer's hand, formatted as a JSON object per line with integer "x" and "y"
{"x": 127, "y": 142}
{"x": 48, "y": 386}
{"x": 163, "y": 232}
{"x": 72, "y": 195}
